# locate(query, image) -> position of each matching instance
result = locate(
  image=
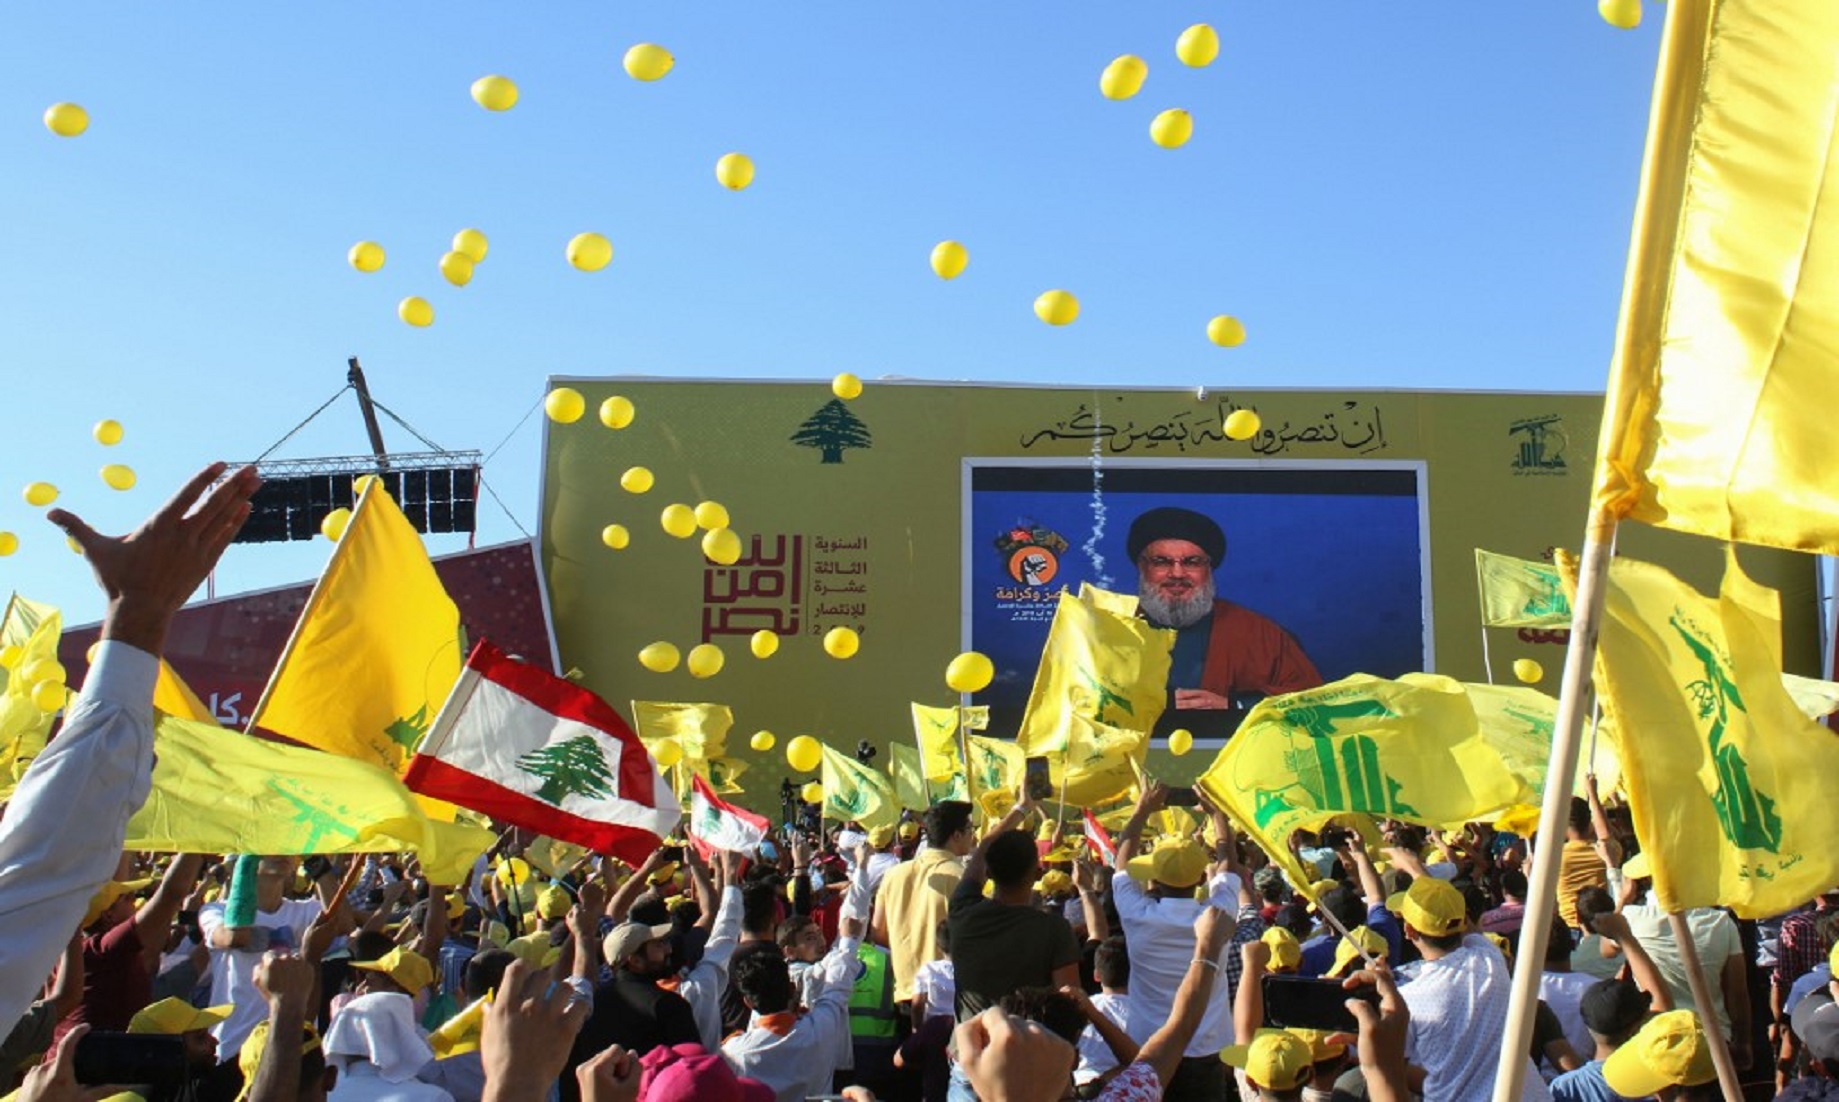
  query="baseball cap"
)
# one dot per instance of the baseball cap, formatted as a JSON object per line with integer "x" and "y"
{"x": 1276, "y": 1059}
{"x": 105, "y": 898}
{"x": 1816, "y": 1023}
{"x": 880, "y": 836}
{"x": 1175, "y": 860}
{"x": 409, "y": 969}
{"x": 1286, "y": 951}
{"x": 908, "y": 831}
{"x": 628, "y": 938}
{"x": 535, "y": 949}
{"x": 249, "y": 1057}
{"x": 456, "y": 906}
{"x": 1610, "y": 1008}
{"x": 175, "y": 1016}
{"x": 1432, "y": 907}
{"x": 1349, "y": 948}
{"x": 553, "y": 903}
{"x": 1054, "y": 882}
{"x": 686, "y": 1073}
{"x": 1670, "y": 1051}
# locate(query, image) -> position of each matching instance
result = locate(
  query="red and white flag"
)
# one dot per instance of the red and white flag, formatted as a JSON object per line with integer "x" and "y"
{"x": 717, "y": 824}
{"x": 1100, "y": 840}
{"x": 530, "y": 749}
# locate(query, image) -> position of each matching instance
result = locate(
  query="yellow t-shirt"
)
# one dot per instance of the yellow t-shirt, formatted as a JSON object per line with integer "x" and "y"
{"x": 1579, "y": 867}
{"x": 914, "y": 897}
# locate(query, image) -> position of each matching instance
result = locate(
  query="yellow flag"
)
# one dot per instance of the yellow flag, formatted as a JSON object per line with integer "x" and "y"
{"x": 1815, "y": 698}
{"x": 1516, "y": 593}
{"x": 376, "y": 650}
{"x": 700, "y": 730}
{"x": 174, "y": 697}
{"x": 937, "y": 732}
{"x": 1100, "y": 663}
{"x": 22, "y": 619}
{"x": 1729, "y": 783}
{"x": 909, "y": 780}
{"x": 35, "y": 629}
{"x": 554, "y": 858}
{"x": 218, "y": 791}
{"x": 854, "y": 791}
{"x": 725, "y": 775}
{"x": 1100, "y": 763}
{"x": 1729, "y": 331}
{"x": 995, "y": 773}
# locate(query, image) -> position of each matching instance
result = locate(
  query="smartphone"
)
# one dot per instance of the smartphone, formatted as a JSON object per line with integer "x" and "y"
{"x": 1182, "y": 796}
{"x": 1035, "y": 780}
{"x": 134, "y": 1060}
{"x": 1295, "y": 1002}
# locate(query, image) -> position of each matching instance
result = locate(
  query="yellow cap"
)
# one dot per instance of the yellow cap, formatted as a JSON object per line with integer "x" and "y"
{"x": 663, "y": 873}
{"x": 1500, "y": 942}
{"x": 456, "y": 906}
{"x": 1054, "y": 882}
{"x": 880, "y": 836}
{"x": 1276, "y": 1060}
{"x": 1358, "y": 939}
{"x": 1432, "y": 907}
{"x": 1323, "y": 1045}
{"x": 1286, "y": 951}
{"x": 513, "y": 870}
{"x": 1175, "y": 860}
{"x": 908, "y": 831}
{"x": 1669, "y": 1051}
{"x": 106, "y": 898}
{"x": 176, "y": 1016}
{"x": 409, "y": 969}
{"x": 1319, "y": 888}
{"x": 535, "y": 950}
{"x": 249, "y": 1057}
{"x": 553, "y": 903}
{"x": 1061, "y": 854}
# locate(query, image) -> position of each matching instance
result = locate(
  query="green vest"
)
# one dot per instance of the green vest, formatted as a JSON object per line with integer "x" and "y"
{"x": 871, "y": 1002}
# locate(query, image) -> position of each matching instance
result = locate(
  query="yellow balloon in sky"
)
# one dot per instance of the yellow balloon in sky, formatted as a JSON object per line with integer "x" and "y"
{"x": 41, "y": 493}
{"x": 617, "y": 412}
{"x": 43, "y": 669}
{"x": 1123, "y": 78}
{"x": 615, "y": 536}
{"x": 1172, "y": 128}
{"x": 949, "y": 259}
{"x": 1056, "y": 307}
{"x": 1241, "y": 424}
{"x": 1528, "y": 670}
{"x": 107, "y": 433}
{"x": 1226, "y": 331}
{"x": 659, "y": 657}
{"x": 66, "y": 120}
{"x": 762, "y": 741}
{"x": 711, "y": 514}
{"x": 842, "y": 643}
{"x": 366, "y": 256}
{"x": 416, "y": 311}
{"x": 48, "y": 696}
{"x": 118, "y": 476}
{"x": 734, "y": 170}
{"x": 636, "y": 480}
{"x": 1181, "y": 740}
{"x": 9, "y": 543}
{"x": 970, "y": 672}
{"x": 364, "y": 482}
{"x": 335, "y": 523}
{"x": 10, "y": 656}
{"x": 803, "y": 753}
{"x": 812, "y": 792}
{"x": 457, "y": 268}
{"x": 667, "y": 752}
{"x": 75, "y": 547}
{"x": 1625, "y": 14}
{"x": 846, "y": 386}
{"x": 763, "y": 643}
{"x": 90, "y": 652}
{"x": 678, "y": 520}
{"x": 472, "y": 243}
{"x": 1198, "y": 46}
{"x": 495, "y": 93}
{"x": 589, "y": 252}
{"x": 705, "y": 660}
{"x": 564, "y": 405}
{"x": 648, "y": 61}
{"x": 721, "y": 546}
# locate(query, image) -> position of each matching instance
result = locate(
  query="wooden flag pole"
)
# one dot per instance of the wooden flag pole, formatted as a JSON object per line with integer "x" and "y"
{"x": 1701, "y": 998}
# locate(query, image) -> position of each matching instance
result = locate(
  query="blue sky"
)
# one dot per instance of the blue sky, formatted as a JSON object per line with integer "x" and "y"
{"x": 1432, "y": 194}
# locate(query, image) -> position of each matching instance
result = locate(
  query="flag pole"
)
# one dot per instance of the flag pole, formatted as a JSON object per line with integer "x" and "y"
{"x": 1701, "y": 998}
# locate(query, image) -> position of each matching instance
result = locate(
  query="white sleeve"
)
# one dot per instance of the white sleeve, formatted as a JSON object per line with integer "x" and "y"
{"x": 702, "y": 988}
{"x": 831, "y": 1007}
{"x": 1224, "y": 892}
{"x": 1128, "y": 897}
{"x": 63, "y": 830}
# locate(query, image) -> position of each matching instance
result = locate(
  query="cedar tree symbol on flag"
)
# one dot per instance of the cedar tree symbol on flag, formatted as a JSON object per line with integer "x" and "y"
{"x": 575, "y": 767}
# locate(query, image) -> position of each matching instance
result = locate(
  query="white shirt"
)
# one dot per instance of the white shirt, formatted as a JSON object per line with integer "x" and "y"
{"x": 1095, "y": 1056}
{"x": 703, "y": 985}
{"x": 65, "y": 824}
{"x": 937, "y": 983}
{"x": 1713, "y": 933}
{"x": 1458, "y": 1006}
{"x": 1160, "y": 936}
{"x": 878, "y": 866}
{"x": 233, "y": 970}
{"x": 1564, "y": 993}
{"x": 360, "y": 1082}
{"x": 800, "y": 1061}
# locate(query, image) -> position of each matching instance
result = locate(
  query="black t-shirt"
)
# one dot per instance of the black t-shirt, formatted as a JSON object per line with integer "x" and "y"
{"x": 633, "y": 1012}
{"x": 997, "y": 948}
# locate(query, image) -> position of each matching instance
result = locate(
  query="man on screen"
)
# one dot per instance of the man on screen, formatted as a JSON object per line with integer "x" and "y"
{"x": 1222, "y": 650}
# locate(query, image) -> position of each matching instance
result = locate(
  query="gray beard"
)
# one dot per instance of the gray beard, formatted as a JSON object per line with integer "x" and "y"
{"x": 1176, "y": 612}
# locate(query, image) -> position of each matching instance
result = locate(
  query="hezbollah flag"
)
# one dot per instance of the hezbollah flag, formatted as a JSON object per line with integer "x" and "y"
{"x": 853, "y": 791}
{"x": 1100, "y": 763}
{"x": 936, "y": 730}
{"x": 700, "y": 732}
{"x": 1099, "y": 662}
{"x": 29, "y": 634}
{"x": 1516, "y": 593}
{"x": 1729, "y": 782}
{"x": 1728, "y": 338}
{"x": 377, "y": 647}
{"x": 909, "y": 779}
{"x": 995, "y": 772}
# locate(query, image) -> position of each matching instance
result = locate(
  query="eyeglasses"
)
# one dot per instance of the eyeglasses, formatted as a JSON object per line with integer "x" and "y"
{"x": 1164, "y": 563}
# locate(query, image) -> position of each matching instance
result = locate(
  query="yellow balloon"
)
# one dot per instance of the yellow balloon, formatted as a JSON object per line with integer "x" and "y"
{"x": 89, "y": 655}
{"x": 1625, "y": 14}
{"x": 457, "y": 268}
{"x": 667, "y": 752}
{"x": 1181, "y": 740}
{"x": 495, "y": 93}
{"x": 107, "y": 433}
{"x": 43, "y": 669}
{"x": 617, "y": 412}
{"x": 1241, "y": 424}
{"x": 636, "y": 480}
{"x": 1172, "y": 128}
{"x": 648, "y": 61}
{"x": 846, "y": 386}
{"x": 41, "y": 493}
{"x": 711, "y": 515}
{"x": 1226, "y": 331}
{"x": 48, "y": 696}
{"x": 9, "y": 543}
{"x": 335, "y": 523}
{"x": 812, "y": 792}
{"x": 659, "y": 657}
{"x": 764, "y": 644}
{"x": 10, "y": 656}
{"x": 1528, "y": 670}
{"x": 842, "y": 643}
{"x": 366, "y": 256}
{"x": 705, "y": 660}
{"x": 1198, "y": 46}
{"x": 118, "y": 476}
{"x": 75, "y": 547}
{"x": 721, "y": 546}
{"x": 1123, "y": 78}
{"x": 66, "y": 120}
{"x": 949, "y": 259}
{"x": 678, "y": 520}
{"x": 762, "y": 741}
{"x": 416, "y": 311}
{"x": 969, "y": 672}
{"x": 615, "y": 536}
{"x": 564, "y": 405}
{"x": 472, "y": 243}
{"x": 1056, "y": 307}
{"x": 589, "y": 252}
{"x": 803, "y": 753}
{"x": 734, "y": 170}
{"x": 364, "y": 482}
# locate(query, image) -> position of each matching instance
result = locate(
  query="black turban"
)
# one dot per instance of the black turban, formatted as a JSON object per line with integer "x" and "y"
{"x": 1171, "y": 523}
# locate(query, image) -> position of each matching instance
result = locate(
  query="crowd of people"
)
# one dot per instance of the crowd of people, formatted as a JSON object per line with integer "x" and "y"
{"x": 941, "y": 957}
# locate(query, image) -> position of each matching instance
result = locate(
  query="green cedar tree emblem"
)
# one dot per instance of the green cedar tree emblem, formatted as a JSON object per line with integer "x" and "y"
{"x": 831, "y": 429}
{"x": 572, "y": 768}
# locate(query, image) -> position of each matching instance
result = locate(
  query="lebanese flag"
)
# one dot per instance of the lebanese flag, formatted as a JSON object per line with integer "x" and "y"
{"x": 717, "y": 824}
{"x": 535, "y": 751}
{"x": 1100, "y": 840}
